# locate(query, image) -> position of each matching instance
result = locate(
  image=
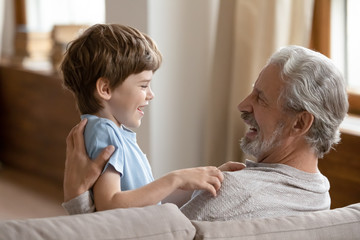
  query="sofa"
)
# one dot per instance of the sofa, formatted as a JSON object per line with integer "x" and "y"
{"x": 167, "y": 222}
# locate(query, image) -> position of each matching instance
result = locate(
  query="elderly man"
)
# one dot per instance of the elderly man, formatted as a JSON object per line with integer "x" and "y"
{"x": 294, "y": 113}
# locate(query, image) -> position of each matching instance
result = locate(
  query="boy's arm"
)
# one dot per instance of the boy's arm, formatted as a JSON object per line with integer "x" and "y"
{"x": 108, "y": 194}
{"x": 178, "y": 197}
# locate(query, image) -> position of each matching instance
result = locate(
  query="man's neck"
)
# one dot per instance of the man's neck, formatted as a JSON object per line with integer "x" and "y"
{"x": 304, "y": 162}
{"x": 302, "y": 158}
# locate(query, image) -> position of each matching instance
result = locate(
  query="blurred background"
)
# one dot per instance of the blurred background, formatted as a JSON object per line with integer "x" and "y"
{"x": 213, "y": 51}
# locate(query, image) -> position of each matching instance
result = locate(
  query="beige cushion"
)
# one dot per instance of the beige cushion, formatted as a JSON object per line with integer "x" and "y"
{"x": 153, "y": 222}
{"x": 342, "y": 223}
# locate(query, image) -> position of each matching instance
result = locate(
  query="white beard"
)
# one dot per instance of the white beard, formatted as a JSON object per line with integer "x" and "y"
{"x": 257, "y": 147}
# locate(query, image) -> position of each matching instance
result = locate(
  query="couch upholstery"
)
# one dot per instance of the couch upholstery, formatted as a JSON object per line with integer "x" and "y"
{"x": 167, "y": 222}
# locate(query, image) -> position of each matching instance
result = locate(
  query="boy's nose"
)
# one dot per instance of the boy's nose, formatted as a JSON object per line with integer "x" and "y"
{"x": 150, "y": 94}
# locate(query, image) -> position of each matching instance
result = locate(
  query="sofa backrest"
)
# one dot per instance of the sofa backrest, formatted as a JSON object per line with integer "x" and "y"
{"x": 167, "y": 222}
{"x": 153, "y": 222}
{"x": 341, "y": 223}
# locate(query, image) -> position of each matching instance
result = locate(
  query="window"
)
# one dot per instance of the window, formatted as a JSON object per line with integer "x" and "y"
{"x": 345, "y": 38}
{"x": 352, "y": 44}
{"x": 42, "y": 15}
{"x": 345, "y": 49}
{"x": 43, "y": 28}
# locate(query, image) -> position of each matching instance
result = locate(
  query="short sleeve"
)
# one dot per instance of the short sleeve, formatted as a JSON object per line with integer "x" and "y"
{"x": 101, "y": 133}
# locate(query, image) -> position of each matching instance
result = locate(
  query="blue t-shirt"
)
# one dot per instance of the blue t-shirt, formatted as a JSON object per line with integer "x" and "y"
{"x": 127, "y": 159}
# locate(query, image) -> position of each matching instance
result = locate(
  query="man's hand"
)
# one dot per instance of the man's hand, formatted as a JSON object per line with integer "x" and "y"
{"x": 232, "y": 166}
{"x": 80, "y": 171}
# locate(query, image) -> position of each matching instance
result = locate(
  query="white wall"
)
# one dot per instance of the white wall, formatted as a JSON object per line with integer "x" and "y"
{"x": 7, "y": 27}
{"x": 172, "y": 130}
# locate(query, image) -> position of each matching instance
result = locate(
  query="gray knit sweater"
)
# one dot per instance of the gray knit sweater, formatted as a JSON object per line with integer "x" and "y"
{"x": 261, "y": 190}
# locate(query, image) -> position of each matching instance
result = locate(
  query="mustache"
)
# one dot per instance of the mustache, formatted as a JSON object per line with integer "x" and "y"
{"x": 249, "y": 118}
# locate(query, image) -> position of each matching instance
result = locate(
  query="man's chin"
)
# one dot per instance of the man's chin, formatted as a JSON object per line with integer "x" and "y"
{"x": 249, "y": 147}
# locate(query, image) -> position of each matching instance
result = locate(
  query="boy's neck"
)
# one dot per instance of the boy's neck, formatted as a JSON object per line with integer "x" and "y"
{"x": 104, "y": 114}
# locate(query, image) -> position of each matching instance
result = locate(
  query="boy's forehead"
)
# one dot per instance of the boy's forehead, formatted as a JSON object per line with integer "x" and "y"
{"x": 144, "y": 75}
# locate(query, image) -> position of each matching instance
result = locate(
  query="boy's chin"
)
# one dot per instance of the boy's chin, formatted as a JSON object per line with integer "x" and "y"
{"x": 135, "y": 125}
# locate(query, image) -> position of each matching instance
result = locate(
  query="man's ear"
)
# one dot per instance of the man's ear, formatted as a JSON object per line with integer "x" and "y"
{"x": 103, "y": 88}
{"x": 303, "y": 122}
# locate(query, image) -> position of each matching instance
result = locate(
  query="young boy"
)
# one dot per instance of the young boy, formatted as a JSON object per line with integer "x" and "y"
{"x": 109, "y": 69}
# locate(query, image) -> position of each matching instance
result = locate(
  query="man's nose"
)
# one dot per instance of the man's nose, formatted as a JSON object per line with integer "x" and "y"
{"x": 245, "y": 105}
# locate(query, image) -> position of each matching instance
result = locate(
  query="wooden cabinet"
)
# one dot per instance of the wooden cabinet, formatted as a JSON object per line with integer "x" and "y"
{"x": 342, "y": 167}
{"x": 37, "y": 113}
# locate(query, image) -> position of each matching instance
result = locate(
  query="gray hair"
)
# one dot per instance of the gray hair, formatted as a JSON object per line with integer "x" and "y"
{"x": 313, "y": 84}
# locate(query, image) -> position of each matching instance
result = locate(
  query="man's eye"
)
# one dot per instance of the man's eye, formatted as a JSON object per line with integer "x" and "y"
{"x": 144, "y": 86}
{"x": 260, "y": 100}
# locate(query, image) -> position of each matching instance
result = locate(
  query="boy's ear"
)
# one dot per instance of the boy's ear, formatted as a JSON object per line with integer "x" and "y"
{"x": 303, "y": 122}
{"x": 103, "y": 88}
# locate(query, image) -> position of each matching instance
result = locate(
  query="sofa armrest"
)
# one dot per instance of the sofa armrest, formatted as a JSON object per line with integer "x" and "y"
{"x": 152, "y": 222}
{"x": 341, "y": 223}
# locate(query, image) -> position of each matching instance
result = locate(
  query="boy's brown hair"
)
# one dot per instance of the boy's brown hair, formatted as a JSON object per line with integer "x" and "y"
{"x": 111, "y": 51}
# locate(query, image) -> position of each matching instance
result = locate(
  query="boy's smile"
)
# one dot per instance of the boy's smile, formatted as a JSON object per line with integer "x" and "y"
{"x": 140, "y": 110}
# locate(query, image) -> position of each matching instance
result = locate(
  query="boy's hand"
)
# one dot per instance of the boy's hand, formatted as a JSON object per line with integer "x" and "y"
{"x": 204, "y": 178}
{"x": 80, "y": 171}
{"x": 232, "y": 166}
